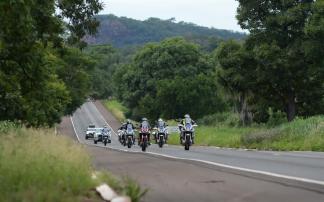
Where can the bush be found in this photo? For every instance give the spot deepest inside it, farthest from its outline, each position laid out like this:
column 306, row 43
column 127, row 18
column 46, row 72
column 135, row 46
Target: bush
column 221, row 119
column 260, row 136
column 116, row 108
column 301, row 134
column 37, row 165
column 276, row 118
column 6, row 126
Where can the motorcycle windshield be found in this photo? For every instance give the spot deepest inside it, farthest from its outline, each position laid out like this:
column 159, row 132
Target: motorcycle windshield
column 145, row 126
column 188, row 126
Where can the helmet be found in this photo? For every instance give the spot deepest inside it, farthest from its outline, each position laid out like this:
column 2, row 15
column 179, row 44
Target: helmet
column 160, row 120
column 128, row 121
column 144, row 119
column 105, row 126
column 187, row 116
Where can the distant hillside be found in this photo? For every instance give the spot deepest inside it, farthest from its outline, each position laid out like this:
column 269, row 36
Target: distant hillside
column 122, row 31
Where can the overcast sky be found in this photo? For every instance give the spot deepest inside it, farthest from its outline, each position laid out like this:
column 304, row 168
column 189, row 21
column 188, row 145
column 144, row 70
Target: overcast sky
column 211, row 13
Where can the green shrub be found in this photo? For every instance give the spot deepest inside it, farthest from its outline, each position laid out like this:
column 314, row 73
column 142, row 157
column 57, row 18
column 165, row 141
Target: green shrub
column 6, row 126
column 116, row 108
column 260, row 136
column 221, row 119
column 37, row 165
column 301, row 134
column 276, row 118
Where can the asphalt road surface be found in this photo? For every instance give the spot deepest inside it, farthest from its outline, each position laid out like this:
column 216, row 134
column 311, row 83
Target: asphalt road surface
column 204, row 173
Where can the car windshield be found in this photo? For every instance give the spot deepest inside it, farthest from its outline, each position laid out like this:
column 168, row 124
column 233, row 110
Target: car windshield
column 91, row 126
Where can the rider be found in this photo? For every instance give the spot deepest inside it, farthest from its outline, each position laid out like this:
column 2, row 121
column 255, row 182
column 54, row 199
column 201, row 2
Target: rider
column 106, row 130
column 145, row 123
column 161, row 123
column 183, row 122
column 124, row 127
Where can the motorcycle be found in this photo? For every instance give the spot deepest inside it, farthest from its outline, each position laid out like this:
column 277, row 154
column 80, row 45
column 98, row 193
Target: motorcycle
column 160, row 136
column 129, row 141
column 187, row 134
column 106, row 138
column 121, row 136
column 144, row 133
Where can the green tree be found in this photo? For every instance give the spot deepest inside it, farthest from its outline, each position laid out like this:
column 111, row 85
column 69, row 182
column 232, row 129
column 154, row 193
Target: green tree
column 30, row 88
column 106, row 59
column 279, row 31
column 168, row 79
column 235, row 65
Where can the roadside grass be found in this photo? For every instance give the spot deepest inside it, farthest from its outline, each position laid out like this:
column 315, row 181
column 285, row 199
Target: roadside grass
column 220, row 136
column 299, row 135
column 225, row 130
column 37, row 165
column 116, row 108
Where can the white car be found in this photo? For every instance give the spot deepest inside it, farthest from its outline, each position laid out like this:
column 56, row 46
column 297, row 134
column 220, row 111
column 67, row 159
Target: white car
column 97, row 135
column 90, row 131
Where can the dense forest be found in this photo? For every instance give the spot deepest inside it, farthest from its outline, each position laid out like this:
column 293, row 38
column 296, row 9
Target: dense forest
column 47, row 71
column 122, row 31
column 277, row 71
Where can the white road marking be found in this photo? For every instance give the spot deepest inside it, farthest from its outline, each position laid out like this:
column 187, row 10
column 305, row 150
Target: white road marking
column 311, row 181
column 105, row 120
column 74, row 129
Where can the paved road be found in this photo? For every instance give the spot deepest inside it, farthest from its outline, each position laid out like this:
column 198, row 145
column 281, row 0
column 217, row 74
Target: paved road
column 223, row 174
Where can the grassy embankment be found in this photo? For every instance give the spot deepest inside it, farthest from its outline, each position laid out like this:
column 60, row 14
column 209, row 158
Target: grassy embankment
column 116, row 108
column 37, row 165
column 299, row 135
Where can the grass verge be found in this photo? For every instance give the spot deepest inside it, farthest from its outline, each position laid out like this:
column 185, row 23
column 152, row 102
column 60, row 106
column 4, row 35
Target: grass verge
column 37, row 165
column 116, row 108
column 216, row 136
column 299, row 135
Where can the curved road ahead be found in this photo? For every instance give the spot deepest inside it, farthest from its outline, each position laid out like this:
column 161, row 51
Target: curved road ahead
column 206, row 173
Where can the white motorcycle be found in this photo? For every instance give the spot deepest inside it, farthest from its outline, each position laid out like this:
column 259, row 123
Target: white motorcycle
column 106, row 137
column 160, row 134
column 187, row 131
column 130, row 136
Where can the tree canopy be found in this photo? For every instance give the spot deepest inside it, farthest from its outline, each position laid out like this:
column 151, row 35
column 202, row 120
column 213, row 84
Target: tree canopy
column 168, row 79
column 289, row 69
column 33, row 38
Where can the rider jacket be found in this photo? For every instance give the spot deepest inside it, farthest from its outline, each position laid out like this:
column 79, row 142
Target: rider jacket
column 124, row 126
column 184, row 121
